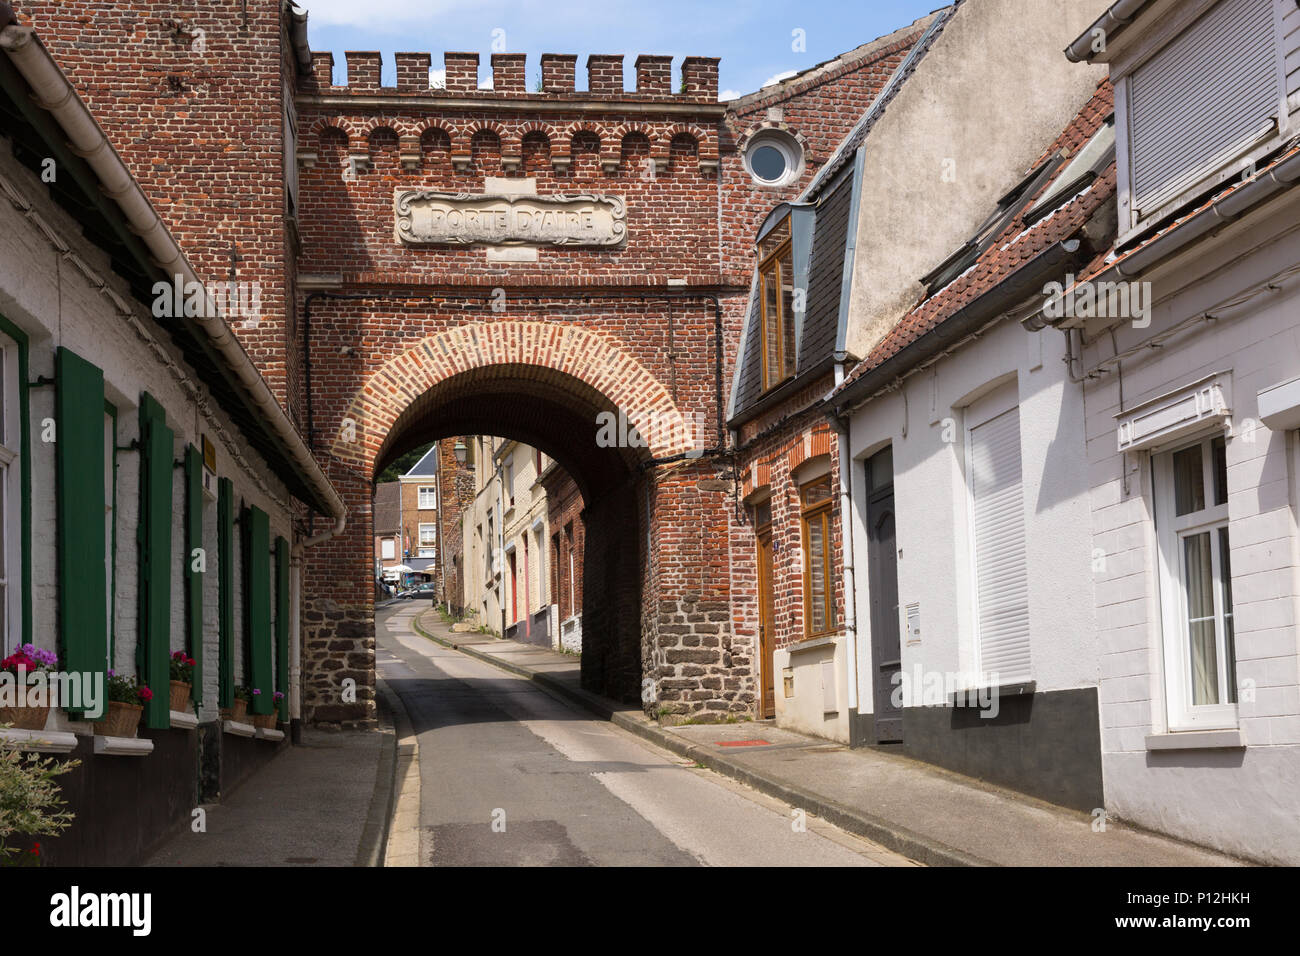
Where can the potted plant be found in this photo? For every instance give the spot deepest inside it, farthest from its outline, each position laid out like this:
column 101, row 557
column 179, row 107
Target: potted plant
column 32, row 803
column 126, row 700
column 266, row 721
column 239, row 708
column 24, row 663
column 182, row 680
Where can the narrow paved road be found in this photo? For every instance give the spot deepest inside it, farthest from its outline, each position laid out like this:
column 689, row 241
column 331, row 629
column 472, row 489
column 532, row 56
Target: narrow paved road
column 511, row 776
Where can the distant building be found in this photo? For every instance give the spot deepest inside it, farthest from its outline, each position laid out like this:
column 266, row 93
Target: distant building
column 388, row 529
column 564, row 516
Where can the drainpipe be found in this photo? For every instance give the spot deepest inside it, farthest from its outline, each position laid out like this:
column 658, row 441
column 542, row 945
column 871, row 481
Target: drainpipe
column 847, row 526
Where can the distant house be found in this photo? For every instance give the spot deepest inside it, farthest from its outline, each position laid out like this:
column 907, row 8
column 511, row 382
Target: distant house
column 564, row 516
column 388, row 529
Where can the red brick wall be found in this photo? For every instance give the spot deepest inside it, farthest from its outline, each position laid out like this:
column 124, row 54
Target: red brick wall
column 200, row 129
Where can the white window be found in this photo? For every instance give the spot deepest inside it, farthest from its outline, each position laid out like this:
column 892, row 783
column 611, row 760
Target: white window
column 1172, row 147
column 997, row 516
column 508, row 476
column 426, row 553
column 10, row 496
column 388, row 549
column 428, row 497
column 1191, row 506
column 428, row 534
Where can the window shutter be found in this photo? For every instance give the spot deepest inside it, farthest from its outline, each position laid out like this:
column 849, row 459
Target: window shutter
column 155, row 530
column 226, row 593
column 1001, row 579
column 282, row 624
column 259, row 609
column 82, row 538
column 194, row 579
column 1202, row 100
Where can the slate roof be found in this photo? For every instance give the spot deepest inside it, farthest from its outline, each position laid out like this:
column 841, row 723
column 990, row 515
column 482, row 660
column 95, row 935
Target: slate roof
column 1019, row 242
column 831, row 194
column 427, row 466
column 388, row 507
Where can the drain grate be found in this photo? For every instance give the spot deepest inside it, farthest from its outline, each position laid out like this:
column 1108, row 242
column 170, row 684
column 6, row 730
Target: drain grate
column 743, row 743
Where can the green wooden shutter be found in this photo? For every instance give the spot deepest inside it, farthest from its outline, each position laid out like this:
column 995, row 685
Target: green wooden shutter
column 226, row 597
column 155, row 536
column 194, row 579
column 259, row 609
column 82, row 546
column 282, row 624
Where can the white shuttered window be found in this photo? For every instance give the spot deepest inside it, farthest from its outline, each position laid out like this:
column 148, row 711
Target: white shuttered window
column 998, row 525
column 1203, row 101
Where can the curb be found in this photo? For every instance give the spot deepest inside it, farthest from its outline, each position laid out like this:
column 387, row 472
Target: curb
column 379, row 817
column 888, row 835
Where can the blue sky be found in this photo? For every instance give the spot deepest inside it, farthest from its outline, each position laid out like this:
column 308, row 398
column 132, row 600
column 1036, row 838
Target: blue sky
column 755, row 38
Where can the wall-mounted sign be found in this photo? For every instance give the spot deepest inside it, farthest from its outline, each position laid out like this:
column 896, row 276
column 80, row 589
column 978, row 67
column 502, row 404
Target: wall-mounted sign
column 425, row 217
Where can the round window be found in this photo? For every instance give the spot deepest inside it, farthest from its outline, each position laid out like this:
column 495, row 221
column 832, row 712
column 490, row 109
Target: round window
column 773, row 158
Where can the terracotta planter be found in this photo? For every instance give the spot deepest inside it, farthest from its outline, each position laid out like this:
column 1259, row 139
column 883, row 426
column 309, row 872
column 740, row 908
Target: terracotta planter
column 180, row 696
column 120, row 721
column 25, row 718
column 266, row 721
column 235, row 713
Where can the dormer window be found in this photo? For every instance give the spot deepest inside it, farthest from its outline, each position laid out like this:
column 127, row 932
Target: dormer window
column 776, row 297
column 1199, row 100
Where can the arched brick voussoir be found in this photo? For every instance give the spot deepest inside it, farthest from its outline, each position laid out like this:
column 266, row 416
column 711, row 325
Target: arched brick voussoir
column 591, row 359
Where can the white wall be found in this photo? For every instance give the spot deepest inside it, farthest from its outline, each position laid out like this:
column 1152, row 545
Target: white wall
column 934, row 565
column 55, row 305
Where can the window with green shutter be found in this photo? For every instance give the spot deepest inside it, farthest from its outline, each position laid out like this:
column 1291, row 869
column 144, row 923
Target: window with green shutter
column 282, row 624
column 81, row 532
column 153, row 649
column 226, row 593
column 195, row 565
column 258, row 603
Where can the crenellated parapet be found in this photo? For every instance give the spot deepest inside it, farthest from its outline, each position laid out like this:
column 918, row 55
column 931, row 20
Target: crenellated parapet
column 698, row 79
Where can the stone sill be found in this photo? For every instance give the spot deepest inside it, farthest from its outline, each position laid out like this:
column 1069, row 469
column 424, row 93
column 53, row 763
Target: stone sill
column 123, row 746
column 810, row 645
column 1197, row 740
column 238, row 729
column 42, row 741
column 266, row 733
column 183, row 720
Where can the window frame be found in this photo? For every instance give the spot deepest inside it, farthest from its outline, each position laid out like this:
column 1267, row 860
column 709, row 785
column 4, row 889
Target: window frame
column 420, row 497
column 780, row 257
column 17, row 623
column 821, row 512
column 1171, row 530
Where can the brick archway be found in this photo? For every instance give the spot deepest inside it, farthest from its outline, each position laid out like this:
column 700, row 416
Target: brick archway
column 573, row 352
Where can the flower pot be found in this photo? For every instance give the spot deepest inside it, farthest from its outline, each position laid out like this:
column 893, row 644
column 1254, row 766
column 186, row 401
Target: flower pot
column 25, row 718
column 266, row 721
column 180, row 696
column 120, row 721
column 236, row 712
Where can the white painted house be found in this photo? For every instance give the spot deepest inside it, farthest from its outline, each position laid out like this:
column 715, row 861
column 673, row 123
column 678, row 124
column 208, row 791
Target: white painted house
column 1192, row 411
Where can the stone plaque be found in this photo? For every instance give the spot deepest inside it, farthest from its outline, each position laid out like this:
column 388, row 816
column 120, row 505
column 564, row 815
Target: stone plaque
column 425, row 217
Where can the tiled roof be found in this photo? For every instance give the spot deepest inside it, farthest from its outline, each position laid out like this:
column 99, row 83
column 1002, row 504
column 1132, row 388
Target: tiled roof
column 388, row 506
column 1018, row 244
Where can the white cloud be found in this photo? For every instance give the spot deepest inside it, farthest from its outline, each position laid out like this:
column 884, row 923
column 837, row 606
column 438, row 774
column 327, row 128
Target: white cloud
column 729, row 95
column 486, row 84
column 437, row 79
column 779, row 77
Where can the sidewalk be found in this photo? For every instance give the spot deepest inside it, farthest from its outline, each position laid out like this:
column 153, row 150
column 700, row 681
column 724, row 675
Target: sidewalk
column 325, row 802
column 914, row 808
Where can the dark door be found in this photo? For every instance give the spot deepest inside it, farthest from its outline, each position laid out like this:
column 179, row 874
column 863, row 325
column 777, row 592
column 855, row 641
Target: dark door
column 765, row 638
column 882, row 579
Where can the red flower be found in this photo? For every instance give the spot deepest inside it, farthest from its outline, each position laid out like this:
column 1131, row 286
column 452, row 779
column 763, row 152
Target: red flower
column 146, row 694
